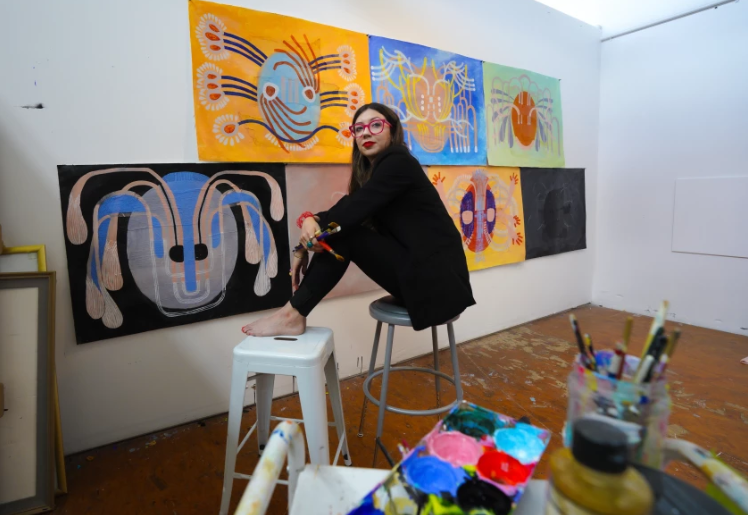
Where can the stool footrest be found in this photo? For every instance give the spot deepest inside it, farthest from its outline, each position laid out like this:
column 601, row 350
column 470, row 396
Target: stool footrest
column 402, row 411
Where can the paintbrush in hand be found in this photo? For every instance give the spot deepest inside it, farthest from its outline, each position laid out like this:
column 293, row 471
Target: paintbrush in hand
column 321, row 235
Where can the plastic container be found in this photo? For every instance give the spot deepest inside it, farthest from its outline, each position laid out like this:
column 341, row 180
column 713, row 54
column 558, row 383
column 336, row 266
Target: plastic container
column 594, row 476
column 642, row 410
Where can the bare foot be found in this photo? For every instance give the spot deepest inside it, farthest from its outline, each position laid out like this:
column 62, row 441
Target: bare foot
column 286, row 321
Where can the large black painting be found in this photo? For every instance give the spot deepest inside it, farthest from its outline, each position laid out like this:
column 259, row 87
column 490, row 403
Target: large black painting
column 161, row 245
column 555, row 213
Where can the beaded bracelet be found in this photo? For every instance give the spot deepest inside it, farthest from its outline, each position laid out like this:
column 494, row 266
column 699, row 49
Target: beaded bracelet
column 304, row 216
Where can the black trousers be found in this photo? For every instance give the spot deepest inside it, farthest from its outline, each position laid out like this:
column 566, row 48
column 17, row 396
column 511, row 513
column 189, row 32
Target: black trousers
column 378, row 256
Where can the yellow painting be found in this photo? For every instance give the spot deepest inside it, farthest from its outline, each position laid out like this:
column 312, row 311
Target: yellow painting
column 486, row 206
column 272, row 88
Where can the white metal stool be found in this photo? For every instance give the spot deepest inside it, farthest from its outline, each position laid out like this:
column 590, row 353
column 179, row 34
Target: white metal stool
column 311, row 359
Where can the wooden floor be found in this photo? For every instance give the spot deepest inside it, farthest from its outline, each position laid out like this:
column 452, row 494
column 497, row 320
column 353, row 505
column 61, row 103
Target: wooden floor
column 518, row 372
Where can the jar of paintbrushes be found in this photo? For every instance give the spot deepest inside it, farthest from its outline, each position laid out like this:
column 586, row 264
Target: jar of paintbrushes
column 629, row 391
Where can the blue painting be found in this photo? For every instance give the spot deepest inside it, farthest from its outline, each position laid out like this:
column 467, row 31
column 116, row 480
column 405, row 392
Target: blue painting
column 160, row 245
column 438, row 96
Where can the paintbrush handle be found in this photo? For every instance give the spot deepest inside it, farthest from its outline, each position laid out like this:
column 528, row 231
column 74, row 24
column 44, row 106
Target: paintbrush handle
column 329, row 249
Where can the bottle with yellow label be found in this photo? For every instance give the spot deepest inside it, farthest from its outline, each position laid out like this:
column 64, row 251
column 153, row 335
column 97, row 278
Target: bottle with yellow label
column 594, row 478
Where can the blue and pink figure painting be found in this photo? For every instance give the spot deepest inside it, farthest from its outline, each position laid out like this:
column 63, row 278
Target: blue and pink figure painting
column 152, row 246
column 438, row 96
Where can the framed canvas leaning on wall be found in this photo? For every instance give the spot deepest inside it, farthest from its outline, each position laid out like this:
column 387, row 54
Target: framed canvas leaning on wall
column 33, row 258
column 27, row 427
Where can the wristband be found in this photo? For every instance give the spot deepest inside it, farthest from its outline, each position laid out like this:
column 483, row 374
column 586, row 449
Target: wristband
column 303, row 217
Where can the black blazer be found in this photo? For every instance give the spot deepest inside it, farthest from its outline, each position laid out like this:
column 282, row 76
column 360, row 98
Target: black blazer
column 404, row 205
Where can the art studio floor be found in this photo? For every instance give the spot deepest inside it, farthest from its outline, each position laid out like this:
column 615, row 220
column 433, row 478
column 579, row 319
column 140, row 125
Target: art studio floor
column 519, row 372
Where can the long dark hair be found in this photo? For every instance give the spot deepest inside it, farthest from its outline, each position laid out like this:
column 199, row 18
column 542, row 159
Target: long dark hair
column 361, row 167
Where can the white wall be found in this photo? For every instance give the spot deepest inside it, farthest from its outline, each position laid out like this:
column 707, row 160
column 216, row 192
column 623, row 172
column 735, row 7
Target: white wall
column 115, row 81
column 673, row 104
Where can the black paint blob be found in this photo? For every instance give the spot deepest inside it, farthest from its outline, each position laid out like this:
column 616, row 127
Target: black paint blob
column 476, row 494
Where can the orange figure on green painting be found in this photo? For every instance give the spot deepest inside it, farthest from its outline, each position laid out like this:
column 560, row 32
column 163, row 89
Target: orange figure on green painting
column 524, row 118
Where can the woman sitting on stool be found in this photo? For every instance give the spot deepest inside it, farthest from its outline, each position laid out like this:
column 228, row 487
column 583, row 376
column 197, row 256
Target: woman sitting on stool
column 394, row 227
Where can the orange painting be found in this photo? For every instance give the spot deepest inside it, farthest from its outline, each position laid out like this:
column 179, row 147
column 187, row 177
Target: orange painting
column 272, row 88
column 486, row 206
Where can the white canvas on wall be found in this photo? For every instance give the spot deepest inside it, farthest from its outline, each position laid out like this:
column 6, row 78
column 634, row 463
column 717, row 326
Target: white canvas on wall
column 710, row 216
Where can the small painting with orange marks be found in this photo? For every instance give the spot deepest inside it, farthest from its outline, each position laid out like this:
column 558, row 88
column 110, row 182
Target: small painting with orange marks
column 486, row 206
column 273, row 88
column 523, row 116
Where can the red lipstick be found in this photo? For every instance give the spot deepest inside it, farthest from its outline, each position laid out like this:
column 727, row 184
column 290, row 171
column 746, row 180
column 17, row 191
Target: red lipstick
column 368, row 144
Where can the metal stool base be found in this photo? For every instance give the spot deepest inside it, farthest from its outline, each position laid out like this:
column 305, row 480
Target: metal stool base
column 392, row 316
column 402, row 411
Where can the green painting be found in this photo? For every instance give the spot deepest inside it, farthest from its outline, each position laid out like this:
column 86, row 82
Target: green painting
column 523, row 118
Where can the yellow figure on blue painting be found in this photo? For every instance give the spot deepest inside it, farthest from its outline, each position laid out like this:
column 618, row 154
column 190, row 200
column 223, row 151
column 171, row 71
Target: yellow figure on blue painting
column 273, row 88
column 486, row 206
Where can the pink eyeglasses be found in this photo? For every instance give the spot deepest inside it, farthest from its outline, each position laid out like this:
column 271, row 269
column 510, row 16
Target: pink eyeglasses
column 376, row 126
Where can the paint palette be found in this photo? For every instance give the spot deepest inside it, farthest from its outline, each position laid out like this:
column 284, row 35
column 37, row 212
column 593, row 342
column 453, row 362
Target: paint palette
column 473, row 461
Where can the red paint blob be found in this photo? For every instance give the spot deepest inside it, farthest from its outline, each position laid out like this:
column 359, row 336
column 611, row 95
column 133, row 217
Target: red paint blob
column 501, row 468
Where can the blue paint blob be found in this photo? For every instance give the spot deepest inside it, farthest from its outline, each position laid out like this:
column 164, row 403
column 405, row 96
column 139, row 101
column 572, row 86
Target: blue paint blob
column 530, row 429
column 520, row 444
column 432, row 475
column 366, row 508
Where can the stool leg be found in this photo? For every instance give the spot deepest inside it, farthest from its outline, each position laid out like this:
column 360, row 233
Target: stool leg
column 314, row 410
column 333, row 386
column 383, row 395
column 264, row 384
column 372, row 362
column 455, row 365
column 435, row 341
column 236, row 406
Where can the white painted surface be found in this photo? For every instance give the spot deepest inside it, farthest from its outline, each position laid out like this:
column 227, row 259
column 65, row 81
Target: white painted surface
column 10, row 263
column 711, row 216
column 116, row 83
column 618, row 16
column 673, row 106
column 18, row 370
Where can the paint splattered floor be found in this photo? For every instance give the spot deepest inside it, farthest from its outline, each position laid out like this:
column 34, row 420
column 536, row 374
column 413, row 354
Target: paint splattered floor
column 519, row 372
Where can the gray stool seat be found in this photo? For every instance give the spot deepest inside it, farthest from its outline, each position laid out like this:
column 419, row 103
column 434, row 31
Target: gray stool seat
column 391, row 311
column 388, row 310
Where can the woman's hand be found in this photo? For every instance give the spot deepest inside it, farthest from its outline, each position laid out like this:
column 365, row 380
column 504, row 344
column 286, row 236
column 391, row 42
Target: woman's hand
column 299, row 263
column 309, row 229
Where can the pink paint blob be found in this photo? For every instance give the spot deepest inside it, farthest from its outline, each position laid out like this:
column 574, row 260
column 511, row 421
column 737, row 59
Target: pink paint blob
column 455, row 448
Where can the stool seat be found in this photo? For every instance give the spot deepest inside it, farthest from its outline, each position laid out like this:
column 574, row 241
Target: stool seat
column 390, row 311
column 310, row 349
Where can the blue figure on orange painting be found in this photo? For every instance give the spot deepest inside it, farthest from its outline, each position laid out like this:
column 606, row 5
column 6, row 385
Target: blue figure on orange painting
column 182, row 239
column 288, row 91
